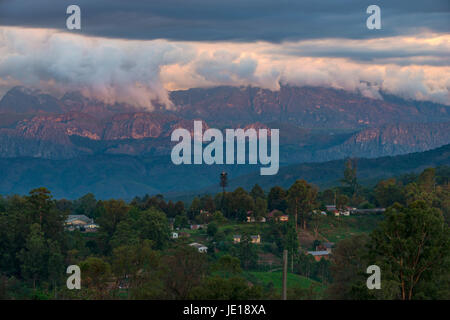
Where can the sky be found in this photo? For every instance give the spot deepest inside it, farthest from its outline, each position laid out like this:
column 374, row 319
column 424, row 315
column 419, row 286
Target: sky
column 137, row 51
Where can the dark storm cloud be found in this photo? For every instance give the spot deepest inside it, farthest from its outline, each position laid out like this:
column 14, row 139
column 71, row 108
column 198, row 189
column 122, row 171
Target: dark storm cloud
column 385, row 51
column 234, row 20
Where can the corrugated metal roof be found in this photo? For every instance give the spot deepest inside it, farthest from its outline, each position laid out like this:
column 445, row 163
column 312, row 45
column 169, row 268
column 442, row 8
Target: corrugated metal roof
column 318, row 253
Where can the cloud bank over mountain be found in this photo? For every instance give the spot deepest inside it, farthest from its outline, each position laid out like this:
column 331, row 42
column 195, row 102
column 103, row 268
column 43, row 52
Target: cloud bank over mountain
column 138, row 72
column 136, row 51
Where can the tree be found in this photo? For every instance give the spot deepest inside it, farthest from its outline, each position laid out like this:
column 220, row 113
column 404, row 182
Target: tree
column 64, row 205
column 125, row 234
column 234, row 288
column 247, row 252
column 349, row 263
column 388, row 192
column 185, row 270
column 152, row 225
column 33, row 256
column 316, row 220
column 257, row 192
column 240, row 200
column 443, row 175
column 412, row 247
column 42, row 209
column 195, row 208
column 260, row 208
column 86, row 205
column 55, row 263
column 40, row 200
column 179, row 208
column 114, row 212
column 350, row 179
column 170, row 209
column 427, row 180
column 341, row 201
column 301, row 198
column 212, row 229
column 310, row 293
column 227, row 265
column 218, row 217
column 207, row 203
column 291, row 243
column 96, row 273
column 328, row 196
column 136, row 267
column 277, row 199
column 181, row 221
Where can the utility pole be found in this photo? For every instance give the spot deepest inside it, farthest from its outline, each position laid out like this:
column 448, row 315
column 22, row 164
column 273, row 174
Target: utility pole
column 285, row 262
column 223, row 184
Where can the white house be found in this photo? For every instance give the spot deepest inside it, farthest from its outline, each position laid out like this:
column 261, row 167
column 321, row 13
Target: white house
column 345, row 213
column 174, row 235
column 80, row 222
column 200, row 247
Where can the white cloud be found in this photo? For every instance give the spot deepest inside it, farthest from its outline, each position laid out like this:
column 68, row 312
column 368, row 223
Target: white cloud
column 138, row 72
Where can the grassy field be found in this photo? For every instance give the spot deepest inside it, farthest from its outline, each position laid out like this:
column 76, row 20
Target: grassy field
column 337, row 229
column 276, row 277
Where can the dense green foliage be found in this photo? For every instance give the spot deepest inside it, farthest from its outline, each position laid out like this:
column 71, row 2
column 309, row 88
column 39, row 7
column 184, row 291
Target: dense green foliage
column 133, row 254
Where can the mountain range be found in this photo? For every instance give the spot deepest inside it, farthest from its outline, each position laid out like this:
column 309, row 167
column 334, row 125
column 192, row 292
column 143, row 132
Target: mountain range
column 41, row 134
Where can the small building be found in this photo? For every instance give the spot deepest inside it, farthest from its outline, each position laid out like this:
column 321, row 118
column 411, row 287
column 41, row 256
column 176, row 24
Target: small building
column 80, row 222
column 91, row 227
column 345, row 213
column 318, row 255
column 200, row 247
column 195, row 226
column 174, row 235
column 236, row 238
column 256, row 239
column 250, row 216
column 330, row 207
column 326, row 246
column 277, row 215
column 253, row 219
